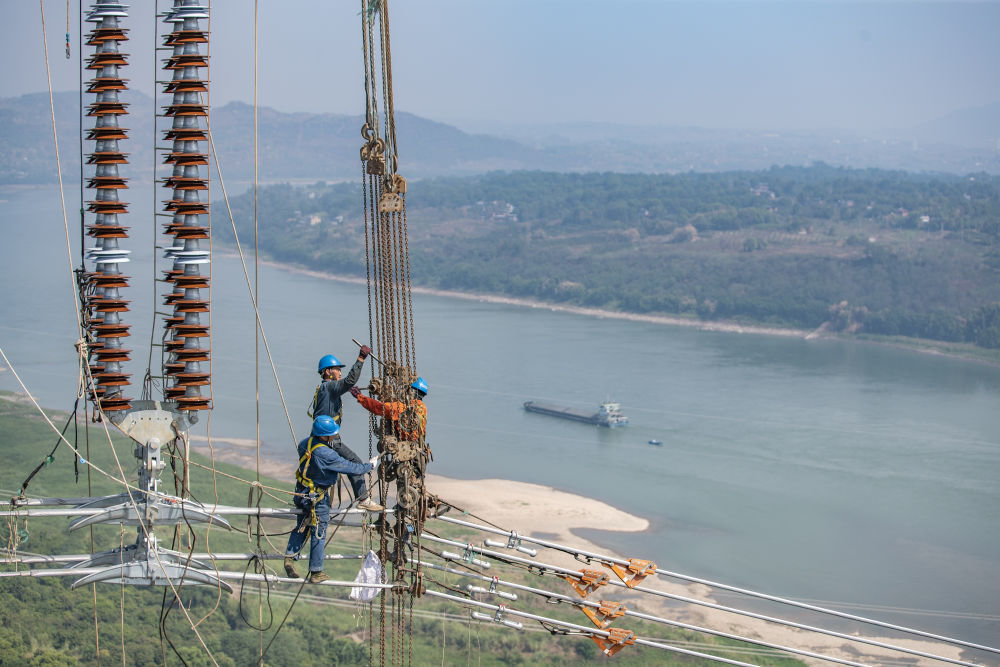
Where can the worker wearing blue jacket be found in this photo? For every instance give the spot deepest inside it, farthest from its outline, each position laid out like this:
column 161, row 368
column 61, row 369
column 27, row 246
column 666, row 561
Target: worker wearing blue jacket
column 327, row 401
column 318, row 468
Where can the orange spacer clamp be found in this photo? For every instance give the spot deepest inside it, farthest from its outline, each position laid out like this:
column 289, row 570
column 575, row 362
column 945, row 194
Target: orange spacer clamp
column 587, row 581
column 616, row 640
column 604, row 615
column 639, row 569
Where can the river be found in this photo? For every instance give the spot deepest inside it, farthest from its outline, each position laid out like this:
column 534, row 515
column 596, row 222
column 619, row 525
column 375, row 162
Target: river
column 823, row 470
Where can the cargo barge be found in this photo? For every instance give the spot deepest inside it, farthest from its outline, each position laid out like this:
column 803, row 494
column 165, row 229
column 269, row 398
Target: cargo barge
column 609, row 414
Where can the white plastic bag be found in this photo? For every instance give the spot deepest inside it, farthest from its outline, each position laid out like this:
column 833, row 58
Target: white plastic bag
column 371, row 573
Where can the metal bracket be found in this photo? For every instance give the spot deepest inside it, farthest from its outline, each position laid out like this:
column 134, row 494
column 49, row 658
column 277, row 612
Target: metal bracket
column 146, row 509
column 145, row 563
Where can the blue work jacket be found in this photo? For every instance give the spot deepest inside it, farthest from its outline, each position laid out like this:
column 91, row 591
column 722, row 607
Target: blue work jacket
column 327, row 400
column 326, row 464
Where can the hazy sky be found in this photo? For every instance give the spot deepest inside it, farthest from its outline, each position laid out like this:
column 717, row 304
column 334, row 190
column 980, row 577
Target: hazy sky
column 741, row 64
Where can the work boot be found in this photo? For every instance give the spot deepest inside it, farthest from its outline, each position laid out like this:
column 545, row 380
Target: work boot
column 316, row 577
column 290, row 567
column 370, row 505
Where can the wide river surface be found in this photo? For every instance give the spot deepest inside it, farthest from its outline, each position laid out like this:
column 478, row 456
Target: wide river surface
column 822, row 470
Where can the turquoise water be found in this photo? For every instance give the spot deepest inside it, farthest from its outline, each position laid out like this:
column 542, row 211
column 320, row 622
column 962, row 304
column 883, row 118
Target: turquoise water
column 824, row 470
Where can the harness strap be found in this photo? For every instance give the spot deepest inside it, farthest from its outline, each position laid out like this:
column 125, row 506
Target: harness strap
column 311, row 410
column 312, row 404
column 301, row 475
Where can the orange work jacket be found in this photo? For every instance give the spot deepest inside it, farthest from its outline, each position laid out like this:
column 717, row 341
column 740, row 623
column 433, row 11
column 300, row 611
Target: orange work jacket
column 392, row 410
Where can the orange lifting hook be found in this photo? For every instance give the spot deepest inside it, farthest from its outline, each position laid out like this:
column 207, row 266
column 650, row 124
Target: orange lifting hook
column 606, row 613
column 639, row 569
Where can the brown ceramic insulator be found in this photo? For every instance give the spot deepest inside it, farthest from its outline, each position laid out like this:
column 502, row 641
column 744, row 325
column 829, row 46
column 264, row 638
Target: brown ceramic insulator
column 190, row 330
column 178, row 37
column 104, row 280
column 184, row 159
column 107, row 157
column 194, row 403
column 105, row 305
column 106, row 83
column 192, row 379
column 187, row 231
column 116, row 404
column 185, row 183
column 192, row 282
column 110, row 355
column 110, row 330
column 103, row 58
column 191, row 354
column 107, row 133
column 107, row 108
column 185, row 134
column 187, row 208
column 108, row 379
column 182, row 60
column 107, row 231
column 107, row 182
column 185, row 110
column 173, row 368
column 190, row 306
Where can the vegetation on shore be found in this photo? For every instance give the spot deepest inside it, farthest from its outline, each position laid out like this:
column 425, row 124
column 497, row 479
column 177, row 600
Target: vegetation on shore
column 43, row 622
column 851, row 251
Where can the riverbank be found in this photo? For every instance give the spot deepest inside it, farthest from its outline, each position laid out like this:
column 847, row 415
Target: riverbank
column 730, row 327
column 545, row 513
column 936, row 348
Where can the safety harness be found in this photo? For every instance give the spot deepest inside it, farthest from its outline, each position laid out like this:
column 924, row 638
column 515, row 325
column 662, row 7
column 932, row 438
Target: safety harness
column 312, row 406
column 313, row 497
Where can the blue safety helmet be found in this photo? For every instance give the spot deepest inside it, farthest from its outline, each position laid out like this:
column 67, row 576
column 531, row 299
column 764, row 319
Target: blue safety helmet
column 420, row 385
column 329, row 361
column 325, row 425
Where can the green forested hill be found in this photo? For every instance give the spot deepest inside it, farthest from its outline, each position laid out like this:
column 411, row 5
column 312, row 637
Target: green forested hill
column 860, row 251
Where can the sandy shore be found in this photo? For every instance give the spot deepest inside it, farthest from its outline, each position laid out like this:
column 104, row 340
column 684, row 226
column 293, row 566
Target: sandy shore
column 578, row 310
column 532, row 510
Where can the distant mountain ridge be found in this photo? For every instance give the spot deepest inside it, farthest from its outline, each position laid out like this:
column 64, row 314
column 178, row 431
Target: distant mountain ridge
column 975, row 127
column 323, row 146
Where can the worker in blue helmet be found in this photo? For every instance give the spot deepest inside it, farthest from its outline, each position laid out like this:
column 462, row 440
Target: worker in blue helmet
column 327, row 401
column 415, row 429
column 319, row 465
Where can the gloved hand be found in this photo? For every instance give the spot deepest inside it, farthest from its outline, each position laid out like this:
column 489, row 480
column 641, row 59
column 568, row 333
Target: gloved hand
column 374, row 460
column 364, row 351
column 355, row 392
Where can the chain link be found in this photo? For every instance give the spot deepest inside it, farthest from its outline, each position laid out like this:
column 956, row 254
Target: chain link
column 391, row 332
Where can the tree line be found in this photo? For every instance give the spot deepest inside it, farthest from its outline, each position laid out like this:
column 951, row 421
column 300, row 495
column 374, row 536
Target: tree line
column 865, row 250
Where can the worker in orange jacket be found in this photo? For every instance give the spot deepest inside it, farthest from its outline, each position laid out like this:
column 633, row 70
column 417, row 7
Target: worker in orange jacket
column 394, row 409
